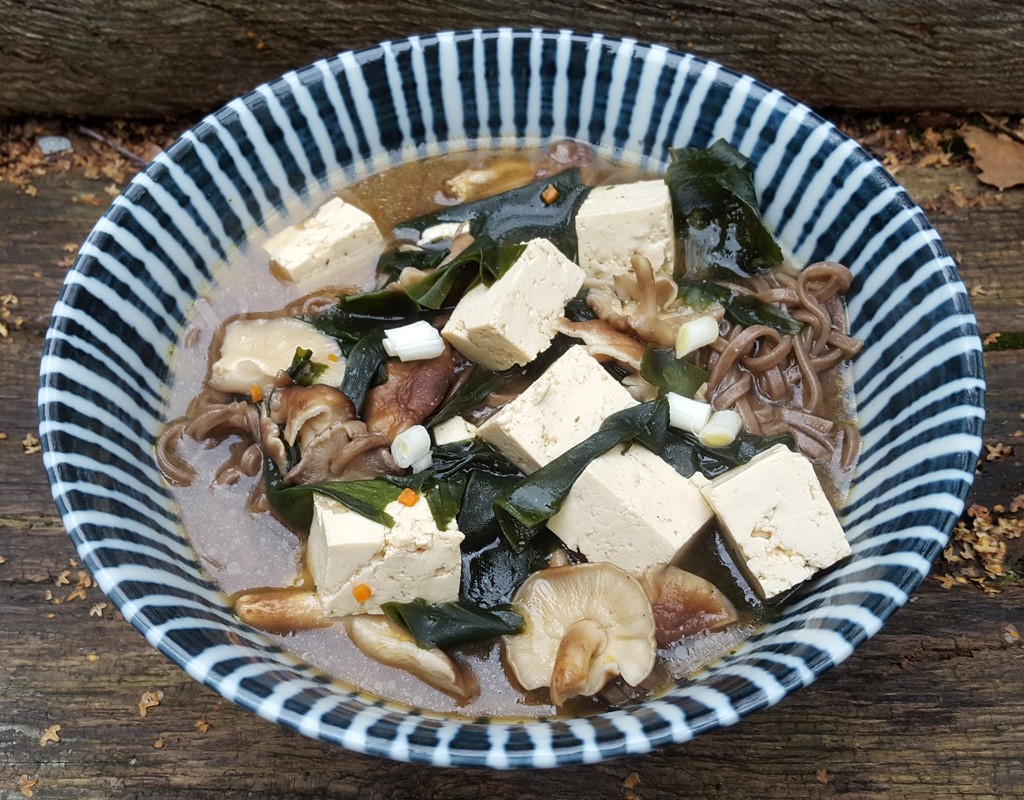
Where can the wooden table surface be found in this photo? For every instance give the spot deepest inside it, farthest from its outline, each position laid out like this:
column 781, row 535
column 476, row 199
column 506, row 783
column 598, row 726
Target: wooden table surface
column 931, row 707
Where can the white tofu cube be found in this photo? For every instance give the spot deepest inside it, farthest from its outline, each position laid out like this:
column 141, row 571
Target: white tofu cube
column 616, row 222
column 411, row 559
column 779, row 520
column 338, row 242
column 254, row 350
column 631, row 509
column 513, row 319
column 559, row 410
column 452, row 430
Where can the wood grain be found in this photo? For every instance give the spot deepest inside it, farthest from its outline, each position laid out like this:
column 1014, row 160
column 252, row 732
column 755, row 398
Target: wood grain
column 929, row 709
column 152, row 58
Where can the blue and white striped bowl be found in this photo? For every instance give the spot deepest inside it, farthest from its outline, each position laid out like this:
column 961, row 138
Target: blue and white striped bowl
column 290, row 143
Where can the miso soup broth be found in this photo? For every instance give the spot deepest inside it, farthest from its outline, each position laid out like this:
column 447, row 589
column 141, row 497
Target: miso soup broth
column 244, row 546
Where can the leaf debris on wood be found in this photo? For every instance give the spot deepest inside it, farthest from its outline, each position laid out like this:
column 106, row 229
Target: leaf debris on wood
column 113, row 152
column 979, row 551
column 8, row 301
column 150, row 700
column 50, row 735
column 30, row 444
column 998, row 157
column 202, row 725
column 26, row 785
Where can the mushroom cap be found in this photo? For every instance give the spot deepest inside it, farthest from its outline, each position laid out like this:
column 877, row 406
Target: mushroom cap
column 381, row 639
column 553, row 602
column 253, row 350
column 685, row 604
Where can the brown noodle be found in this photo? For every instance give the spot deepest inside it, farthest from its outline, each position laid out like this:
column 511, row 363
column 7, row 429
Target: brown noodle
column 777, row 383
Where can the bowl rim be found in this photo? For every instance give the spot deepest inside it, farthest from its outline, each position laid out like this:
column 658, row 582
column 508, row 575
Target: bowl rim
column 634, row 735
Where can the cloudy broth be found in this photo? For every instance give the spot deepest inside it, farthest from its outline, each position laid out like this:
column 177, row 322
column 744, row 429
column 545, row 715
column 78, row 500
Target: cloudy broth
column 241, row 549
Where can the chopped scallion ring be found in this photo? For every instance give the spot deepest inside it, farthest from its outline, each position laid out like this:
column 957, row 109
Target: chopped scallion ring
column 411, row 446
column 722, row 429
column 686, row 414
column 415, row 342
column 695, row 334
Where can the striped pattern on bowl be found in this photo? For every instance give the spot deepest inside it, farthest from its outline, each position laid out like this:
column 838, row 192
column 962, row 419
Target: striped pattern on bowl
column 289, row 144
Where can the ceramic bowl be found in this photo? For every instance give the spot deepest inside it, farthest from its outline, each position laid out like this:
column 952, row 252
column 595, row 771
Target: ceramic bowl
column 288, row 144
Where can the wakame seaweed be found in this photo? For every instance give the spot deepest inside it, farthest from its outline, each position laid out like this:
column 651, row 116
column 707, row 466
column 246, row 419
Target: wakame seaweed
column 516, row 216
column 489, row 259
column 482, row 381
column 539, row 496
column 742, row 310
column 491, row 574
column 662, row 369
column 357, row 315
column 365, row 368
column 304, row 370
column 451, row 624
column 295, row 503
column 687, row 455
column 716, row 212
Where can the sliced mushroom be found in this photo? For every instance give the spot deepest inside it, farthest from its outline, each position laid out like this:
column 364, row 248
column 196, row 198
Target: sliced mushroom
column 499, row 176
column 218, row 421
column 585, row 624
column 412, row 391
column 381, row 639
column 252, row 351
column 333, row 445
column 566, row 154
column 684, row 604
column 280, row 610
column 643, row 304
column 604, row 342
column 307, row 411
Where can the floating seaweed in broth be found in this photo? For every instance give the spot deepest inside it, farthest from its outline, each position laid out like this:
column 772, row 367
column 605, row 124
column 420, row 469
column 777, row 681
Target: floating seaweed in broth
column 779, row 383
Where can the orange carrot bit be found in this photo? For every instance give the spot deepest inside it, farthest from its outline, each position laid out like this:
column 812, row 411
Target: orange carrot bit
column 408, row 497
column 256, row 393
column 361, row 592
column 549, row 195
column 332, row 358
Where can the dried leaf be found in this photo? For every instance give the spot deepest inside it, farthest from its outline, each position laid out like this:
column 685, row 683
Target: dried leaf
column 999, row 158
column 26, row 784
column 50, row 735
column 149, row 700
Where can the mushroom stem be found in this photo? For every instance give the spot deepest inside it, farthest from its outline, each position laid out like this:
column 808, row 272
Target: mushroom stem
column 583, row 642
column 381, row 639
column 280, row 610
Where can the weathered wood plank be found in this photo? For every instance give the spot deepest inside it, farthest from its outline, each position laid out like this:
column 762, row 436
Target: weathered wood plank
column 150, row 58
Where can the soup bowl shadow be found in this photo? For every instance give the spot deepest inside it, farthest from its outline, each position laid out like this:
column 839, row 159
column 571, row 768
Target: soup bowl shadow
column 289, row 144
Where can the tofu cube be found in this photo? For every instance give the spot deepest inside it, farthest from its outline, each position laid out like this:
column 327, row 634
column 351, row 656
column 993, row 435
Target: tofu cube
column 616, row 222
column 559, row 410
column 631, row 509
column 254, row 350
column 337, row 242
column 778, row 519
column 513, row 319
column 452, row 430
column 411, row 559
